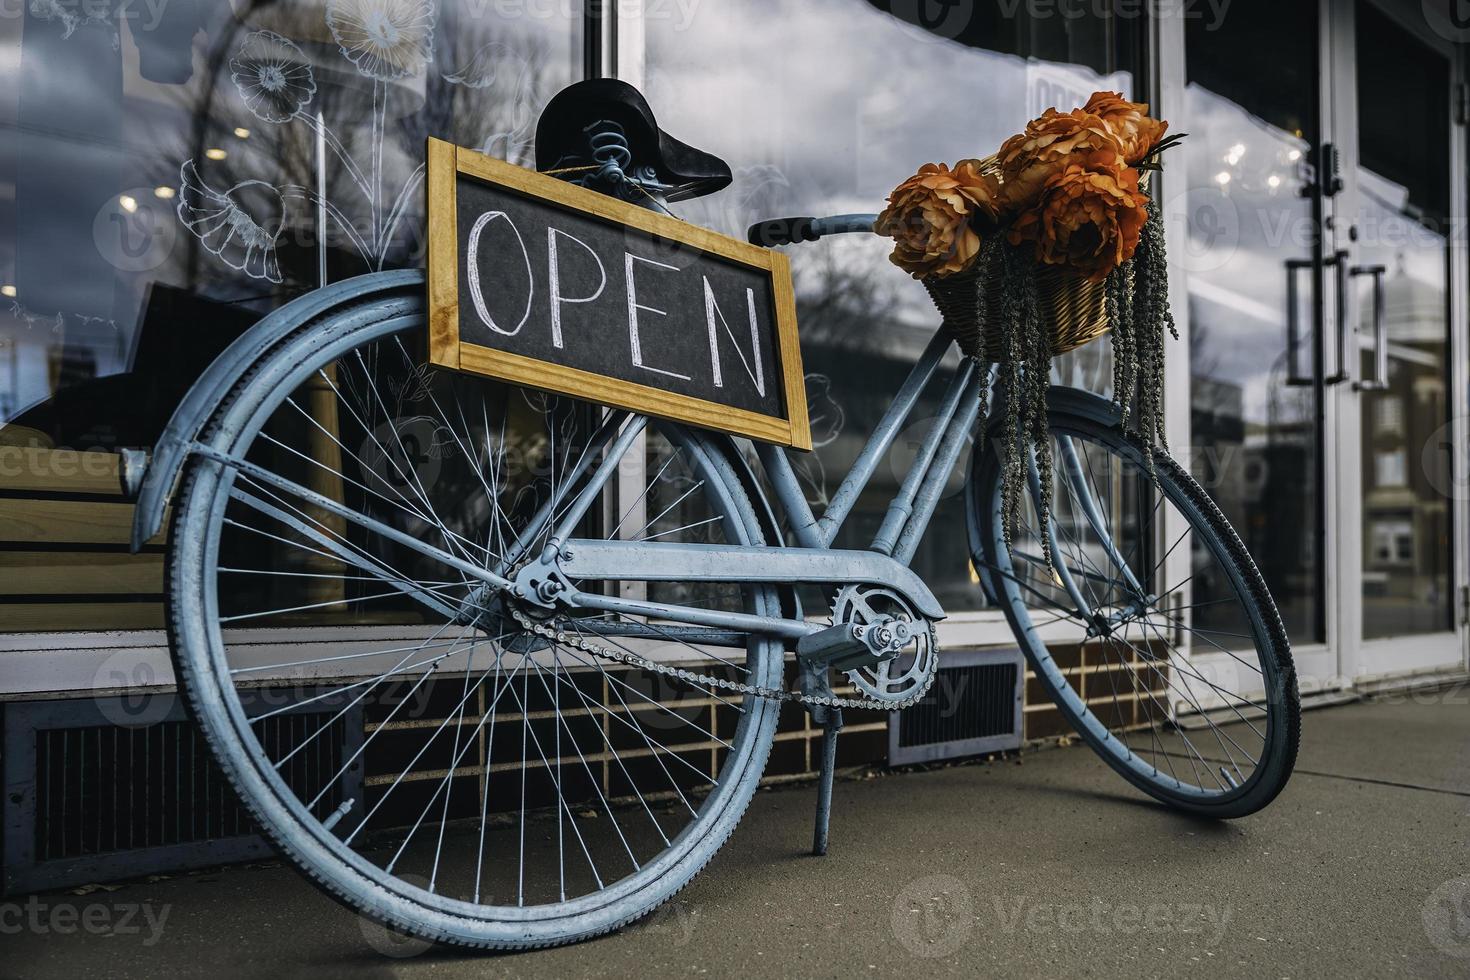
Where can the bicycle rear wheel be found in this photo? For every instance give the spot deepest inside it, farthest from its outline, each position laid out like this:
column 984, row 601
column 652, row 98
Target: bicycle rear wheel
column 394, row 729
column 1182, row 682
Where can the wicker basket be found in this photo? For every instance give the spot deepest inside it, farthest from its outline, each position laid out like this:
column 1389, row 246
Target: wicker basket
column 1071, row 307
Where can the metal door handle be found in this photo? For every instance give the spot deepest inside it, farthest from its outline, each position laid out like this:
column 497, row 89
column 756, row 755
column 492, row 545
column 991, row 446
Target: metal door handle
column 1338, row 260
column 1293, row 323
column 1380, row 331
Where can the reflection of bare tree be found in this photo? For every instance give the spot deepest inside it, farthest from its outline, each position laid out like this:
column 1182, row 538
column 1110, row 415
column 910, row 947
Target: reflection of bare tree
column 341, row 147
column 845, row 304
column 1203, row 361
column 850, row 310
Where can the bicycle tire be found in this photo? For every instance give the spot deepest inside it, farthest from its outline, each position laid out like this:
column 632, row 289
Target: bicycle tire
column 1212, row 532
column 203, row 673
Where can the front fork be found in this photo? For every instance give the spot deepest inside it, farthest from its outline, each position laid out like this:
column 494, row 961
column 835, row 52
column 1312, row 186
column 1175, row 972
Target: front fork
column 1081, row 490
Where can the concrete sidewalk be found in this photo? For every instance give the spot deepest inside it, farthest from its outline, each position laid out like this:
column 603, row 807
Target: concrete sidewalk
column 1048, row 867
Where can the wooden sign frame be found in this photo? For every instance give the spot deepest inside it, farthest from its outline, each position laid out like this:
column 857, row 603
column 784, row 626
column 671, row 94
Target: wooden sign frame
column 447, row 162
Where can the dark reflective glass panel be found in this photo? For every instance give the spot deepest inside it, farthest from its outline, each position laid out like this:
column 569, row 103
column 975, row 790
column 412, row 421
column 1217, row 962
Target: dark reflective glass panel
column 170, row 173
column 853, row 99
column 1254, row 420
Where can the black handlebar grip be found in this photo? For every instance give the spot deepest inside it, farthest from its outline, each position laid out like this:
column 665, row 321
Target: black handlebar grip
column 783, row 231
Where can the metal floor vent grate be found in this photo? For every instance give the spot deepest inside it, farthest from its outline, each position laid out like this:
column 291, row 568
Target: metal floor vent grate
column 90, row 800
column 973, row 707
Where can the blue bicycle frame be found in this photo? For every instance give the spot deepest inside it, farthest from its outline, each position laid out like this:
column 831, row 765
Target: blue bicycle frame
column 566, row 558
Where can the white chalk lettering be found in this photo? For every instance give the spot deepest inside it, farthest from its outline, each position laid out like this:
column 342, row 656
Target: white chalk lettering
column 634, row 306
column 711, row 312
column 553, row 271
column 476, row 295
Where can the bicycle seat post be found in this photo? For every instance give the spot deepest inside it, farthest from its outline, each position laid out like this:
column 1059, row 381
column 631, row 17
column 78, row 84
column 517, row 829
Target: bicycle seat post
column 614, row 171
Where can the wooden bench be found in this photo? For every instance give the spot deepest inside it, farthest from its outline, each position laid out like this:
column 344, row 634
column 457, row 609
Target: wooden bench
column 64, row 532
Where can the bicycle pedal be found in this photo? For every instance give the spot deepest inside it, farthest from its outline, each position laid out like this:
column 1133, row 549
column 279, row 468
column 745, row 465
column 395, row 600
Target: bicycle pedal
column 842, row 647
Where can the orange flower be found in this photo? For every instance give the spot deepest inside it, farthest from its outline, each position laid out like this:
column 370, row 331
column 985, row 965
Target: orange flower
column 1130, row 122
column 1029, row 159
column 936, row 217
column 1088, row 218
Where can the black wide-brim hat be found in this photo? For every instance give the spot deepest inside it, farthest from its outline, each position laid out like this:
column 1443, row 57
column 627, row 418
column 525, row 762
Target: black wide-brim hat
column 561, row 137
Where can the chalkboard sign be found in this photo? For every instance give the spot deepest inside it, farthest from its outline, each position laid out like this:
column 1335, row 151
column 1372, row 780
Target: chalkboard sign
column 546, row 284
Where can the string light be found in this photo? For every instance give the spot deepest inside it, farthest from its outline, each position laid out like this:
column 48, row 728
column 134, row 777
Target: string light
column 163, row 192
column 215, row 153
column 128, row 202
column 7, row 290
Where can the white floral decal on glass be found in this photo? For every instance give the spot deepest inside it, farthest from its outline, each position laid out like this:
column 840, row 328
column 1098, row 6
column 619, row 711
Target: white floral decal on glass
column 385, row 39
column 240, row 225
column 66, row 14
column 497, row 62
column 273, row 76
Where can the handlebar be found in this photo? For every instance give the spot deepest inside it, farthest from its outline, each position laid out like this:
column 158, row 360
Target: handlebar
column 789, row 231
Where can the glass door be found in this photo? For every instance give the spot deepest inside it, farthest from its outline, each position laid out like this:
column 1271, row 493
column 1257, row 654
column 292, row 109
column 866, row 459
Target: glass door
column 1261, row 188
column 1327, row 325
column 1400, row 410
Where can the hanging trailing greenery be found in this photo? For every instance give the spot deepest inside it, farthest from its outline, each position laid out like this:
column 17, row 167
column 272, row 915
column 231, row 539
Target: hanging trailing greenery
column 1037, row 250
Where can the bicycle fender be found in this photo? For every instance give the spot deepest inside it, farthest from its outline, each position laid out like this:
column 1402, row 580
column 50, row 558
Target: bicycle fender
column 381, row 293
column 1076, row 401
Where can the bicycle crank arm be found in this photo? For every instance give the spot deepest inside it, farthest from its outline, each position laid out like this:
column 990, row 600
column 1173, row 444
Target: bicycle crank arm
column 647, row 561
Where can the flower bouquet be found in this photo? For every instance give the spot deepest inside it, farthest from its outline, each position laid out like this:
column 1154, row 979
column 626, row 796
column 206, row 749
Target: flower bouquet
column 1042, row 248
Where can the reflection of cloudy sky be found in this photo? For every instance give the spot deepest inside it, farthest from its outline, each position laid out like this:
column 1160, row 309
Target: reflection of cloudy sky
column 113, row 131
column 1414, row 258
column 1246, row 219
column 823, row 107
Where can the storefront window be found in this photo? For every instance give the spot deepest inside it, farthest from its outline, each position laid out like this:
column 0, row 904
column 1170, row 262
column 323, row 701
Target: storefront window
column 822, row 107
column 167, row 177
column 1404, row 216
column 1253, row 406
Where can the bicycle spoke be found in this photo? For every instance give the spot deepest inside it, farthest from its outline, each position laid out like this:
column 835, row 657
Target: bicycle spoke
column 1109, row 552
column 1189, row 696
column 561, row 800
column 587, row 704
column 390, row 501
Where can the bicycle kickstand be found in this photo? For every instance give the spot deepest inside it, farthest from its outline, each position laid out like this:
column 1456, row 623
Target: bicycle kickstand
column 814, row 681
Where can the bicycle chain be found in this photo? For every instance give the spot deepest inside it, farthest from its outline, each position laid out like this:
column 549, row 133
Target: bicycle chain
column 629, row 659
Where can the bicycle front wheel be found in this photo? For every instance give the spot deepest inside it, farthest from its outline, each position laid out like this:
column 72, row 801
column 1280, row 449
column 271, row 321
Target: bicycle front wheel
column 396, row 730
column 1170, row 661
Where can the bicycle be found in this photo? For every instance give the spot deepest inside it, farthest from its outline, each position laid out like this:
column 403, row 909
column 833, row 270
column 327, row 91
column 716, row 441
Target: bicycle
column 502, row 579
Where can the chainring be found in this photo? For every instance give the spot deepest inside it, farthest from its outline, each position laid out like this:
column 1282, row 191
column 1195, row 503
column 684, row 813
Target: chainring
column 556, row 630
column 904, row 677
